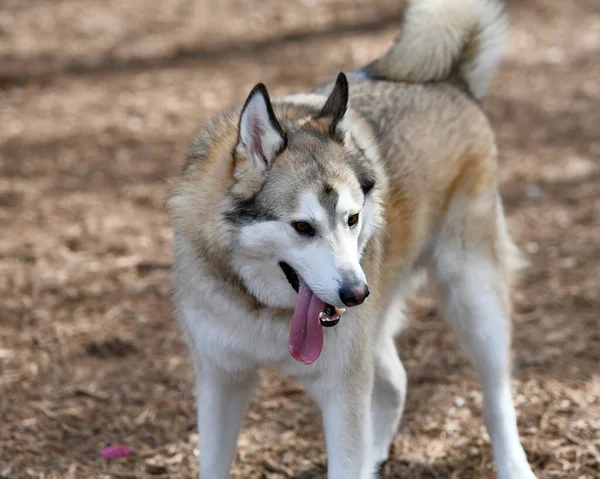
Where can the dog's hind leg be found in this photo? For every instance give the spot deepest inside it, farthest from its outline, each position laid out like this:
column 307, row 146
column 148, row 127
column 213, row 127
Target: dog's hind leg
column 222, row 402
column 389, row 394
column 470, row 266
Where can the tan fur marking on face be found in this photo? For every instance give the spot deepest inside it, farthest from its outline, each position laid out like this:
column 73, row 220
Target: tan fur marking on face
column 247, row 181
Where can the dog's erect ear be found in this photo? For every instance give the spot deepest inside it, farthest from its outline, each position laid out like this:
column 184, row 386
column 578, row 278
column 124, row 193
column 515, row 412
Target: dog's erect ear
column 337, row 103
column 261, row 137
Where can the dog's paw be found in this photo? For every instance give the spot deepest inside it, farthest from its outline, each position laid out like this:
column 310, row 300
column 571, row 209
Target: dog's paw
column 515, row 471
column 383, row 470
column 382, row 457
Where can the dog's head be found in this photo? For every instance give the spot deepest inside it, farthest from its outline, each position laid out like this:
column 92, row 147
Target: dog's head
column 306, row 198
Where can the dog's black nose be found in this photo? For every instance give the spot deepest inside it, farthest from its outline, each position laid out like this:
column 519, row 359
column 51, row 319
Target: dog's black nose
column 354, row 295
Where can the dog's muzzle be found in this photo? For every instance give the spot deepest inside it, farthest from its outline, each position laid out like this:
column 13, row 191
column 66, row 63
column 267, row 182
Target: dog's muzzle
column 330, row 315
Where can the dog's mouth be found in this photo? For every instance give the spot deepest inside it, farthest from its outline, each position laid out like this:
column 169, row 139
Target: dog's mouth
column 305, row 341
column 330, row 315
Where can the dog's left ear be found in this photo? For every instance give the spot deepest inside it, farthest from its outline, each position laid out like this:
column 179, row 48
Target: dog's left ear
column 261, row 137
column 337, row 103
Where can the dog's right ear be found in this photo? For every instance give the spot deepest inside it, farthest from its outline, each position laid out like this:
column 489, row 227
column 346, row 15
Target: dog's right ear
column 261, row 137
column 337, row 103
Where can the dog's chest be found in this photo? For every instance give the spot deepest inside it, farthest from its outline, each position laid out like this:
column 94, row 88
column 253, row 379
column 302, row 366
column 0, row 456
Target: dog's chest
column 238, row 340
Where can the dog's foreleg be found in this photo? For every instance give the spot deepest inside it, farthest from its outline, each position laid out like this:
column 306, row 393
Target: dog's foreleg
column 222, row 402
column 345, row 401
column 389, row 396
column 474, row 296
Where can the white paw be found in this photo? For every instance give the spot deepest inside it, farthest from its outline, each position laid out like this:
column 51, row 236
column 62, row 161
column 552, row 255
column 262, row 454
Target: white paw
column 515, row 471
column 381, row 454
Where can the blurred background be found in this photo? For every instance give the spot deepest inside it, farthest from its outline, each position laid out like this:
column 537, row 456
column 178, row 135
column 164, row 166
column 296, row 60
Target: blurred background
column 98, row 101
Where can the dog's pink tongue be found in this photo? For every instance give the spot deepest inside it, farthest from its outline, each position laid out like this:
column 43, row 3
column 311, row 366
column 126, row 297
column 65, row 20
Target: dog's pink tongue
column 305, row 342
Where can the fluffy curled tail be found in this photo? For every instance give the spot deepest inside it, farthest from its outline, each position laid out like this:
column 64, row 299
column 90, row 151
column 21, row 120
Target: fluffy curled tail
column 443, row 38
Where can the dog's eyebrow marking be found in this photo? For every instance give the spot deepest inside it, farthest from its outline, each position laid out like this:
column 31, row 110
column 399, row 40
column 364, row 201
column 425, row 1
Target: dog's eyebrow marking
column 346, row 203
column 311, row 208
column 328, row 196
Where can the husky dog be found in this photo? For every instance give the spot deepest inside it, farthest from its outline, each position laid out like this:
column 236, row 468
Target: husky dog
column 301, row 225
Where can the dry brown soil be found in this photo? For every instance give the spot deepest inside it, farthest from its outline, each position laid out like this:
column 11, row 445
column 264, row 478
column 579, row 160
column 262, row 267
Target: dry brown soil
column 98, row 101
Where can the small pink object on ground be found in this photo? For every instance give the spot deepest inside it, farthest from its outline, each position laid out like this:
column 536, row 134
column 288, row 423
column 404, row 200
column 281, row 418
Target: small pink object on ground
column 115, row 451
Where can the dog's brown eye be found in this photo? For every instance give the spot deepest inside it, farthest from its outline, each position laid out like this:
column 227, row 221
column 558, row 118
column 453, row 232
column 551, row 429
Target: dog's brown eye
column 303, row 228
column 353, row 219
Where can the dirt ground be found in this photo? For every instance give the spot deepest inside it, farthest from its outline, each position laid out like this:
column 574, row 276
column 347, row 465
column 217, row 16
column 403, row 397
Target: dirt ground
column 98, row 101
